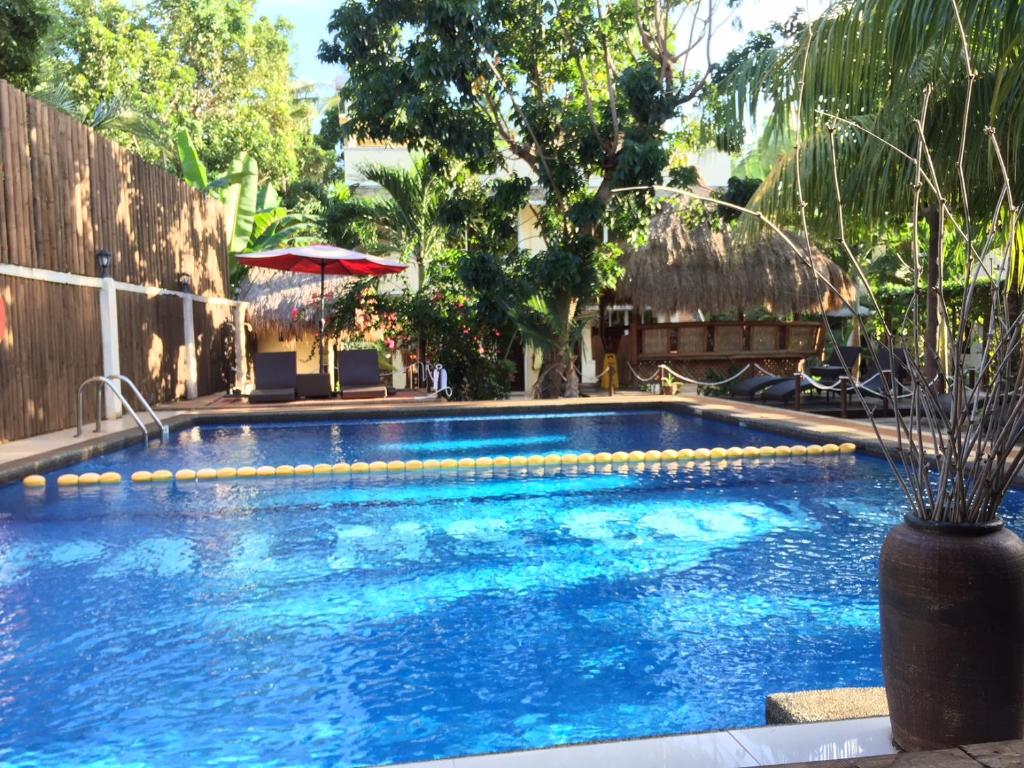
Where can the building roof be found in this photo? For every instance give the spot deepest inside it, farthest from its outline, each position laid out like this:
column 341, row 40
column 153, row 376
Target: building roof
column 690, row 268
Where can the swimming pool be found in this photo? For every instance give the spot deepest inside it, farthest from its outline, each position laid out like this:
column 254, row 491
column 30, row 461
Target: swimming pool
column 369, row 619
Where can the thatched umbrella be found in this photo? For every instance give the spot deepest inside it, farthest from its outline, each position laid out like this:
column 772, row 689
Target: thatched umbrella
column 286, row 303
column 690, row 268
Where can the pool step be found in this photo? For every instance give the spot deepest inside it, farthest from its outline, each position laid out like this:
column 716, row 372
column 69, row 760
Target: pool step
column 825, row 705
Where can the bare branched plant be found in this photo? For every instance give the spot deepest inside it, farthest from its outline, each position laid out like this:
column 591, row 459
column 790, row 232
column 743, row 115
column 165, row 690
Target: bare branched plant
column 955, row 450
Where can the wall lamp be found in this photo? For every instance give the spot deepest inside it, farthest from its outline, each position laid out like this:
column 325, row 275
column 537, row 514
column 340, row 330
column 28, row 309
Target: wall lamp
column 103, row 260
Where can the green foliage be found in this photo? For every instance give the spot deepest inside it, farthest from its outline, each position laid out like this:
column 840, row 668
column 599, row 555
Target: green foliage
column 206, row 66
column 738, row 192
column 23, row 28
column 255, row 220
column 455, row 328
column 553, row 85
column 871, row 61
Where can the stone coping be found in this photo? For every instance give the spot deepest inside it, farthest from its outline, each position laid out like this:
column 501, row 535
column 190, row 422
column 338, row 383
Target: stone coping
column 825, row 705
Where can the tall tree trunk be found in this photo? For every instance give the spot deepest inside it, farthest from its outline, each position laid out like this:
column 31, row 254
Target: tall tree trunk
column 931, row 333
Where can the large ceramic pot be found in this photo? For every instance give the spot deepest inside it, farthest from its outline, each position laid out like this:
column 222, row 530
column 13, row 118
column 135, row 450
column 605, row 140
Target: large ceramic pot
column 952, row 614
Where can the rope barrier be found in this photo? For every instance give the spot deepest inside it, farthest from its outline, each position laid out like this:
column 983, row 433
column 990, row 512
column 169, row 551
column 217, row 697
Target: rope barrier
column 676, row 375
column 637, row 459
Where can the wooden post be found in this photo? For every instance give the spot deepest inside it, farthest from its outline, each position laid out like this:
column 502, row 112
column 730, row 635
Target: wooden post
column 240, row 356
column 843, row 400
column 796, row 392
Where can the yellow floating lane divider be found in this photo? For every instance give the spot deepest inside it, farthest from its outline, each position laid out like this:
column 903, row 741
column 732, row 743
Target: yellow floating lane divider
column 635, row 457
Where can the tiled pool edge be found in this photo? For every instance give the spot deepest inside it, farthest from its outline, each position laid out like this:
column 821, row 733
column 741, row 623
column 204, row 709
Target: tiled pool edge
column 732, row 748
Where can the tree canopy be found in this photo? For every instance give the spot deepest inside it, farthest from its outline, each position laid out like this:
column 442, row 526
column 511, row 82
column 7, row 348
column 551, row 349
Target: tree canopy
column 210, row 67
column 574, row 95
column 868, row 67
column 23, row 28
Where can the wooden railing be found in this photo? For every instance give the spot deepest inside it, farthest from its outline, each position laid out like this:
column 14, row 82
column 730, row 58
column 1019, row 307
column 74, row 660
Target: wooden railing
column 729, row 340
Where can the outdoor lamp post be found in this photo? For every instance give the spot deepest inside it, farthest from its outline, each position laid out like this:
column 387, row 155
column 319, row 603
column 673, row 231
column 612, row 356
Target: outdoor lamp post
column 185, row 282
column 103, row 259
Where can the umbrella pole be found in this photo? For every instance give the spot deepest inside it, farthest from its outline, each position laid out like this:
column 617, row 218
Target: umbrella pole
column 323, row 322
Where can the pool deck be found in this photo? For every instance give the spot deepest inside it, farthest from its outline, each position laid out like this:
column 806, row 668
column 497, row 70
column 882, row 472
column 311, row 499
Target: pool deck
column 51, row 451
column 846, row 740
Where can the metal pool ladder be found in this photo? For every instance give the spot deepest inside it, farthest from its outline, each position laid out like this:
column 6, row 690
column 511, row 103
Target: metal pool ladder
column 107, row 382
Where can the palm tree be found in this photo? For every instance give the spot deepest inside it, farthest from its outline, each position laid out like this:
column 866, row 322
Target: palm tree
column 894, row 70
column 405, row 220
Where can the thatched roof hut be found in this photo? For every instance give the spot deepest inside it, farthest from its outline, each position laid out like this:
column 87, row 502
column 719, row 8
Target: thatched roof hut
column 286, row 303
column 683, row 268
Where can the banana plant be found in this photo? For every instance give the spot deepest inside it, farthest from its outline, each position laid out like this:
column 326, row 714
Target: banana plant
column 254, row 217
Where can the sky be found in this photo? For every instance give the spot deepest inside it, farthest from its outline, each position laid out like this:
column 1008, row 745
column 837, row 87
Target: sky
column 310, row 17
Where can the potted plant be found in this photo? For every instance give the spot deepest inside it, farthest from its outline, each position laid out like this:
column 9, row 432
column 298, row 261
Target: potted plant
column 670, row 384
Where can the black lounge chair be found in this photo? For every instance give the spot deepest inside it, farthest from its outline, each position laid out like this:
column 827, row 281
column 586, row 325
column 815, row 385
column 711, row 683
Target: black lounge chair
column 784, row 387
column 894, row 365
column 359, row 374
column 275, row 377
column 750, row 386
column 310, row 385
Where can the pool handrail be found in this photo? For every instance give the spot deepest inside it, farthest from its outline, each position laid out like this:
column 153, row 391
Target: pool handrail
column 109, row 382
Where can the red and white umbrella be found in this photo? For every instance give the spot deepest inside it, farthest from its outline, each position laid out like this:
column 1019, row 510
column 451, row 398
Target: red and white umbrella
column 323, row 260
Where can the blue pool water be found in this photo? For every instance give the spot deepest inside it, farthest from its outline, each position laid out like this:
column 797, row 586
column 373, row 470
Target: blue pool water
column 371, row 619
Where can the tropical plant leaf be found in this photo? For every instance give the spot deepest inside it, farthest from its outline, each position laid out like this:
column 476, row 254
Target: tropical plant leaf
column 240, row 199
column 192, row 167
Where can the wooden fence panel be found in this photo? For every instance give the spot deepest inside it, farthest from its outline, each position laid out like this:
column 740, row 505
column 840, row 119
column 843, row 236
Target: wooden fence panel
column 65, row 193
